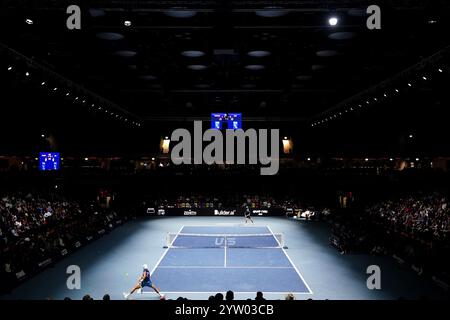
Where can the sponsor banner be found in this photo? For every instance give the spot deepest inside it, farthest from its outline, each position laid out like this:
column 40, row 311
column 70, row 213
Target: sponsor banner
column 64, row 252
column 20, row 274
column 220, row 212
column 45, row 263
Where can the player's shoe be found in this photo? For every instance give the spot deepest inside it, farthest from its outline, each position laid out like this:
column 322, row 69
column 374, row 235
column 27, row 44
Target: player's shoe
column 126, row 295
column 139, row 291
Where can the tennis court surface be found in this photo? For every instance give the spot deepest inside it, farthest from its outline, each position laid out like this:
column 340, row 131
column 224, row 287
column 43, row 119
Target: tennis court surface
column 211, row 259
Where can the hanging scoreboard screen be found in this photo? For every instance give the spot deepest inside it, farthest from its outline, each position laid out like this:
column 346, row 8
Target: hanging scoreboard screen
column 232, row 121
column 49, row 161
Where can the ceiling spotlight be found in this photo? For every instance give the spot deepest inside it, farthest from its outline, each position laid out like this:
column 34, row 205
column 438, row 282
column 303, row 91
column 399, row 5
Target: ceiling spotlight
column 84, row 101
column 285, row 138
column 43, row 83
column 424, row 78
column 333, row 21
column 27, row 73
column 29, row 21
column 366, row 159
column 86, row 159
column 127, row 23
column 396, row 90
column 391, row 159
column 92, row 105
column 54, row 89
column 440, row 70
column 385, row 95
column 409, row 84
column 9, row 68
column 42, row 135
column 153, row 159
column 410, row 136
column 417, row 159
column 67, row 94
column 76, row 98
column 432, row 21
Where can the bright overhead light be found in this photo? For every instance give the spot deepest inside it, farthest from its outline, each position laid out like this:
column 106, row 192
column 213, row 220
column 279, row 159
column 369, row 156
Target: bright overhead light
column 9, row 68
column 396, row 90
column 42, row 135
column 410, row 136
column 192, row 53
column 440, row 70
column 424, row 78
column 67, row 94
column 29, row 21
column 309, row 159
column 54, row 89
column 127, row 23
column 409, row 84
column 333, row 21
column 391, row 159
column 27, row 73
column 86, row 159
column 366, row 159
column 42, row 83
column 417, row 159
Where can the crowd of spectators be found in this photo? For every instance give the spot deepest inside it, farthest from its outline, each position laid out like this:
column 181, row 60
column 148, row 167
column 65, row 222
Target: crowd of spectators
column 425, row 217
column 218, row 297
column 233, row 200
column 34, row 228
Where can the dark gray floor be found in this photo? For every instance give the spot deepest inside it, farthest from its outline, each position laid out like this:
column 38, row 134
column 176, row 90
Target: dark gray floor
column 113, row 263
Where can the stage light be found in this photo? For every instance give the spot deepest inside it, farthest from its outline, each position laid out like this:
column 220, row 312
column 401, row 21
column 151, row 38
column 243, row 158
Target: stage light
column 43, row 83
column 27, row 74
column 333, row 21
column 366, row 159
column 385, row 95
column 10, row 68
column 410, row 136
column 409, row 84
column 309, row 159
column 76, row 98
column 54, row 89
column 29, row 21
column 440, row 70
column 127, row 23
column 153, row 159
column 396, row 90
column 86, row 159
column 67, row 94
column 417, row 159
column 391, row 159
column 42, row 135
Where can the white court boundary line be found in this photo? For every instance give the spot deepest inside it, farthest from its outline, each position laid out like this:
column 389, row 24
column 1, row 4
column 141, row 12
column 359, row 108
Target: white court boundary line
column 236, row 292
column 293, row 265
column 165, row 252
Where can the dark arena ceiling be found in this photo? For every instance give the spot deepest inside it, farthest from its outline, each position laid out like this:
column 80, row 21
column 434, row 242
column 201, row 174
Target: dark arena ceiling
column 280, row 63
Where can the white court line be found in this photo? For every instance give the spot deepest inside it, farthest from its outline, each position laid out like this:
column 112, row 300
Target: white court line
column 293, row 265
column 225, row 258
column 165, row 252
column 235, row 292
column 220, row 267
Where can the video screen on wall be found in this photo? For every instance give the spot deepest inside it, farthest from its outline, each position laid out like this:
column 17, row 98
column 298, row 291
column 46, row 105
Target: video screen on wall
column 232, row 120
column 49, row 161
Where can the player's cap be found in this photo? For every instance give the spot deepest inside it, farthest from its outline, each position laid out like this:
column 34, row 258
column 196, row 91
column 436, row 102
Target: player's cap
column 145, row 266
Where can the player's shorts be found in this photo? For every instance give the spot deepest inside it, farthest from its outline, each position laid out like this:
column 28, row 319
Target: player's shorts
column 146, row 283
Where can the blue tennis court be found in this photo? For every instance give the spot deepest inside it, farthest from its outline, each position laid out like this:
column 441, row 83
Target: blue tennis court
column 211, row 259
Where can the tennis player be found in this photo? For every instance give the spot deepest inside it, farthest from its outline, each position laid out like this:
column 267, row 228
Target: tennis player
column 144, row 281
column 247, row 213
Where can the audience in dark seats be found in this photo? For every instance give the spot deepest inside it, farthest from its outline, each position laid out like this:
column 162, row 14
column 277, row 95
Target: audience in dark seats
column 259, row 296
column 229, row 295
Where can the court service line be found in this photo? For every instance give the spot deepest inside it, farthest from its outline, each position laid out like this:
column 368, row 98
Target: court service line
column 165, row 252
column 292, row 263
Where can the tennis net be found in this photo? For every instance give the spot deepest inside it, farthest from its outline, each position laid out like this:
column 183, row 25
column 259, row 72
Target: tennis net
column 190, row 240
